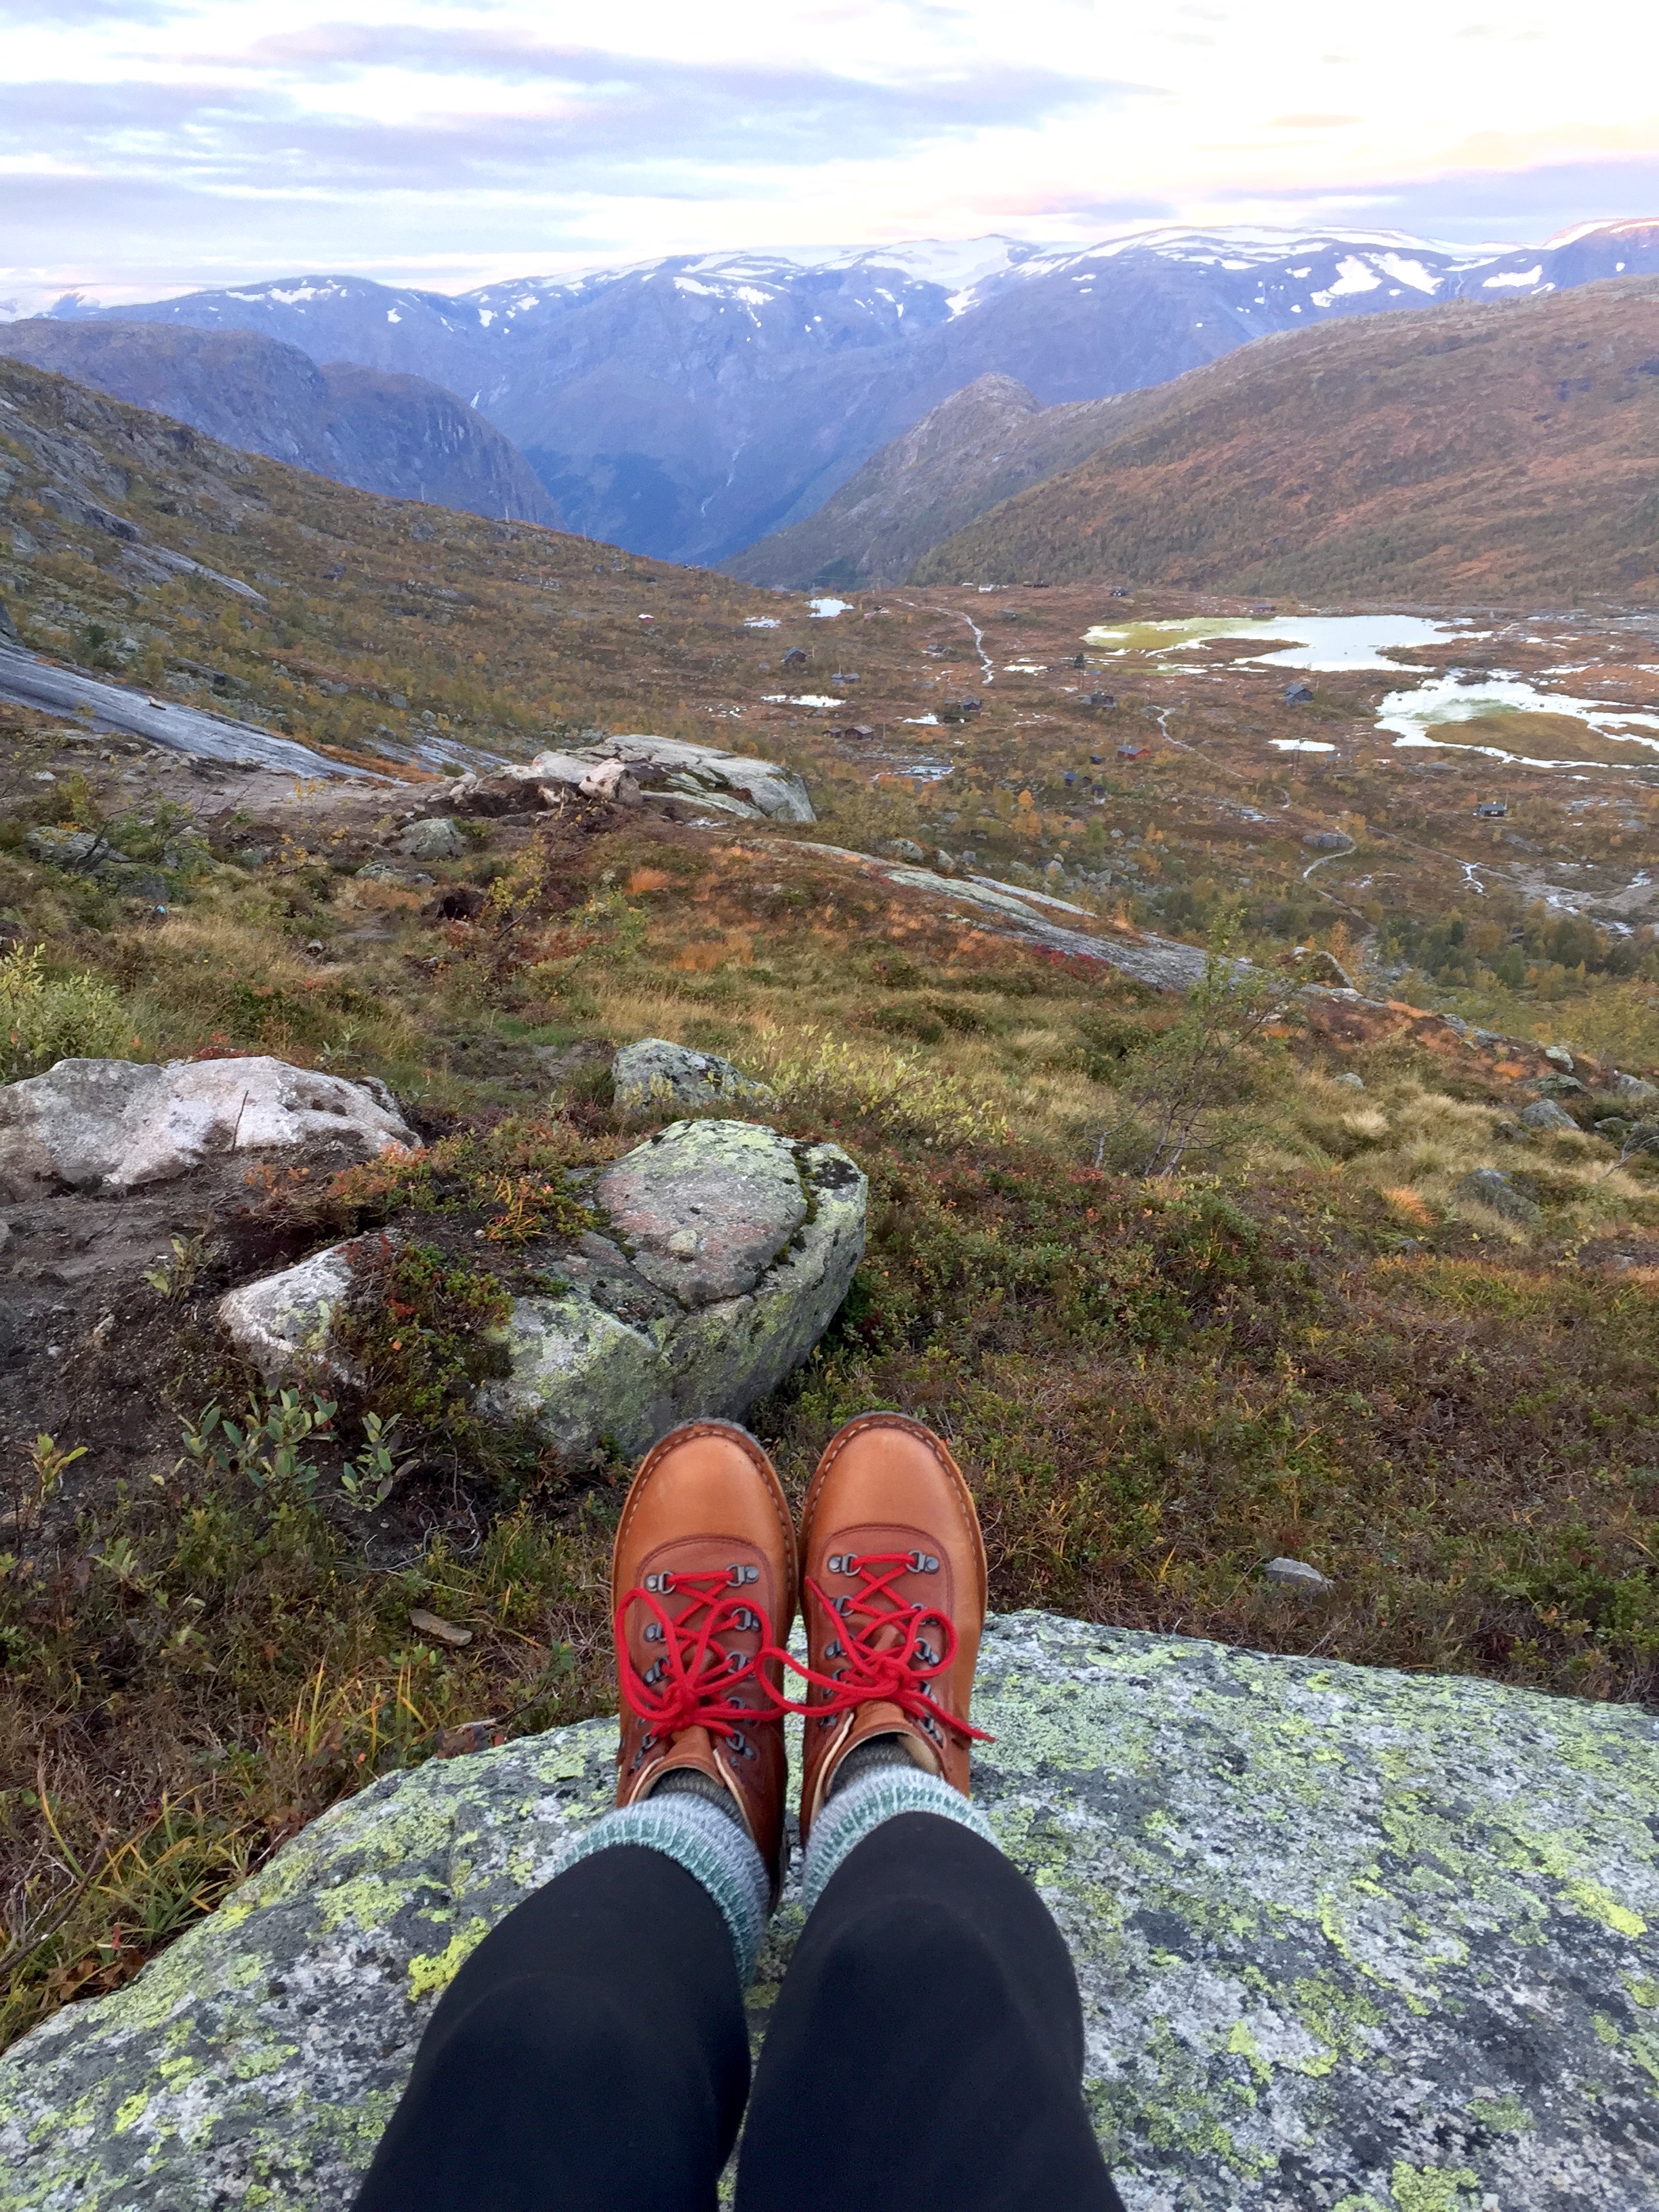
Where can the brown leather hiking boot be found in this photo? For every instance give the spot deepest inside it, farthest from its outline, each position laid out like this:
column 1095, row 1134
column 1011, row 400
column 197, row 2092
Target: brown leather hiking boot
column 894, row 1596
column 702, row 1582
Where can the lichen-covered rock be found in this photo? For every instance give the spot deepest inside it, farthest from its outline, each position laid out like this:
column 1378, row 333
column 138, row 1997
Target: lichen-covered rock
column 1347, row 1940
column 1491, row 1187
column 113, row 1125
column 732, row 1249
column 655, row 1072
column 437, row 838
column 741, row 1246
column 1543, row 1116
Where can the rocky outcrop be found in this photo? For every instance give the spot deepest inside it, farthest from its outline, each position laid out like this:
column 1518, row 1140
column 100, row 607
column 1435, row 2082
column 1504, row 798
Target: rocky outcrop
column 729, row 1253
column 690, row 783
column 1346, row 1939
column 655, row 1072
column 109, row 1126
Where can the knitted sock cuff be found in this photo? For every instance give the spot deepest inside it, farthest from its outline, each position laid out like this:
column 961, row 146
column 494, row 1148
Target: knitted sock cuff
column 711, row 1847
column 878, row 1795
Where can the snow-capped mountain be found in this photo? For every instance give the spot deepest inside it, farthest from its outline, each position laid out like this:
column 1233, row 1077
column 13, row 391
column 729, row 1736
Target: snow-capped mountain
column 687, row 407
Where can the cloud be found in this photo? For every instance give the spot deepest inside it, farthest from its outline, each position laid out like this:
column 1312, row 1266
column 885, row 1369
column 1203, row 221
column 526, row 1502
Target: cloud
column 1476, row 205
column 603, row 121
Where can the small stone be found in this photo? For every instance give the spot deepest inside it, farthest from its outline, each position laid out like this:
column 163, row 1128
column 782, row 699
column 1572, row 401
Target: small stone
column 441, row 1630
column 905, row 850
column 44, row 775
column 683, row 1244
column 1634, row 1089
column 1297, row 694
column 1351, row 1080
column 1559, row 1054
column 1296, row 1574
column 1544, row 1115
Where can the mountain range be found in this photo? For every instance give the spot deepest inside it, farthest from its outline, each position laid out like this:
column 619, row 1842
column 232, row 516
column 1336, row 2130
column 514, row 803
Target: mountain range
column 379, row 429
column 1502, row 454
column 689, row 407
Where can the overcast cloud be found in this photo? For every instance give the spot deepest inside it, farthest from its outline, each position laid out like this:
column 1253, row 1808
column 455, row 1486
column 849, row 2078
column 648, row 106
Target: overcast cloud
column 150, row 147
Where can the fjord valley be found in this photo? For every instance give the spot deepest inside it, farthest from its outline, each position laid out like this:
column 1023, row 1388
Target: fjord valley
column 1245, row 1018
column 689, row 406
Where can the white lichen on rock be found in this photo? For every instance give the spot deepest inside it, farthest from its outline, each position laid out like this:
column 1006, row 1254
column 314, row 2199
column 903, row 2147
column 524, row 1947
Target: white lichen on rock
column 1346, row 1939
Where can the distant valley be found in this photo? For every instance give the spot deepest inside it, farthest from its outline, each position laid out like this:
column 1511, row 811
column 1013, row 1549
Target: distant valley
column 375, row 429
column 689, row 407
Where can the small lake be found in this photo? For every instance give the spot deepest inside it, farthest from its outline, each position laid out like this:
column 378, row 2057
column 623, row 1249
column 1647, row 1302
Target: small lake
column 1323, row 642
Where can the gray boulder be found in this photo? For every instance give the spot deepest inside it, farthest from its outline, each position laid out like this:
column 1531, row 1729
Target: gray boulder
column 731, row 1250
column 282, row 1322
column 666, row 774
column 1634, row 1090
column 1544, row 1115
column 1491, row 1187
column 437, row 838
column 109, row 1126
column 1345, row 1937
column 655, row 1072
column 88, row 853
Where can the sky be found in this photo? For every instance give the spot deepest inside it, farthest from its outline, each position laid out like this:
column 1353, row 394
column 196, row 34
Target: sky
column 154, row 146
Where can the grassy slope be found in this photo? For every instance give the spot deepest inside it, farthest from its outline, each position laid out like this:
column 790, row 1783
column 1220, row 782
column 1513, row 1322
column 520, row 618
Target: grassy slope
column 1472, row 452
column 1303, row 1343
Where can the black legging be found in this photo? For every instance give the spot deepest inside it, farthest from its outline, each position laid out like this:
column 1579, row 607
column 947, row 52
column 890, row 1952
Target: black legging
column 592, row 2054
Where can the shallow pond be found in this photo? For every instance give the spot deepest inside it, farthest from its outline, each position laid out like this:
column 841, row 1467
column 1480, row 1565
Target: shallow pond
column 1605, row 736
column 1325, row 642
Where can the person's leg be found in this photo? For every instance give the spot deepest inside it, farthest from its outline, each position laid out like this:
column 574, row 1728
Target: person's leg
column 929, row 2036
column 591, row 2056
column 927, row 2042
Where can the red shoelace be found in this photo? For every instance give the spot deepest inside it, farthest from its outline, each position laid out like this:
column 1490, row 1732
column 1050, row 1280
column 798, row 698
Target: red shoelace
column 890, row 1651
column 690, row 1685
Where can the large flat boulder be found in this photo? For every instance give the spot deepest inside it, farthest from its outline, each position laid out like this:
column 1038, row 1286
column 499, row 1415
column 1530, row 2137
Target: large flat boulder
column 730, row 1250
column 668, row 773
column 1348, row 1939
column 108, row 1126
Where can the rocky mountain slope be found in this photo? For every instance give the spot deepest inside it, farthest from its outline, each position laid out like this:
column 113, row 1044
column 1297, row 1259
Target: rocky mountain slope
column 1470, row 451
column 980, row 446
column 688, row 407
column 379, row 429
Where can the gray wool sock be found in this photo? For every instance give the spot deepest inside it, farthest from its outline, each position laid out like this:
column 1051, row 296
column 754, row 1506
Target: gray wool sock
column 701, row 1830
column 887, row 1783
column 869, row 1759
column 689, row 1781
